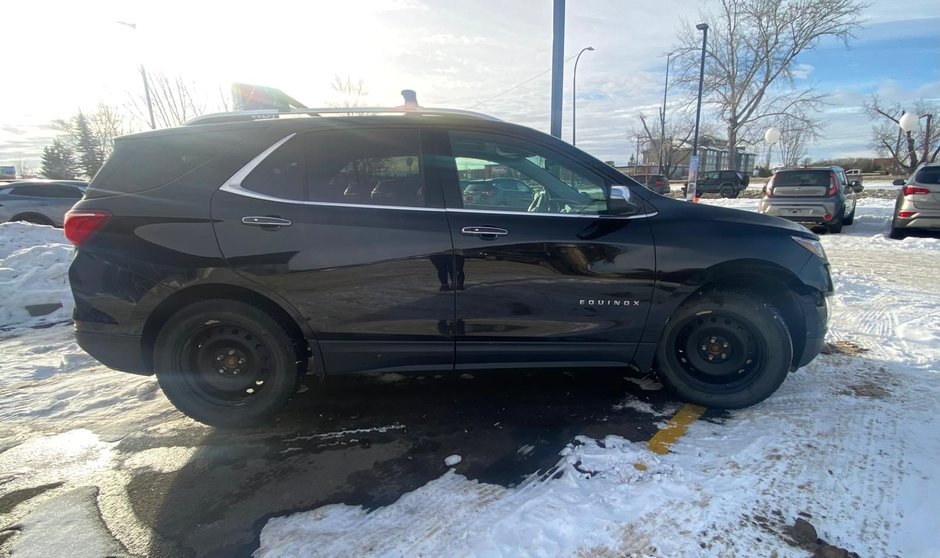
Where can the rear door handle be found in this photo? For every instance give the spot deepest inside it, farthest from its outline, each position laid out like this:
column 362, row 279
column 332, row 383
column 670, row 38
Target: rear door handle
column 484, row 231
column 265, row 222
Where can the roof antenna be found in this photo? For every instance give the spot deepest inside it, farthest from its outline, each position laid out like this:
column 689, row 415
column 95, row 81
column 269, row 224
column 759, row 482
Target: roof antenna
column 411, row 99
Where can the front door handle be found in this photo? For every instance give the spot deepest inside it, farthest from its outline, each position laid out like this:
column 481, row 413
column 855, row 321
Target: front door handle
column 265, row 222
column 484, row 232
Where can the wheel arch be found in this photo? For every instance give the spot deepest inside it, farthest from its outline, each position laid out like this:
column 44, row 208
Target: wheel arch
column 291, row 322
column 774, row 283
column 32, row 217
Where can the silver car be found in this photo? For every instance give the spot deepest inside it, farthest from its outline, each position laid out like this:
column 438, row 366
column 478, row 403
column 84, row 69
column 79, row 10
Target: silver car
column 814, row 196
column 918, row 203
column 43, row 202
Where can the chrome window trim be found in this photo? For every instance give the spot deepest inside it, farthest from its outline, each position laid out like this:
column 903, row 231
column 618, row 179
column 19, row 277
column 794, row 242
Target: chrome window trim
column 234, row 186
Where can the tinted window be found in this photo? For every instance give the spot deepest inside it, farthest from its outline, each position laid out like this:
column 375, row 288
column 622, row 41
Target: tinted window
column 803, row 178
column 928, row 175
column 381, row 166
column 554, row 185
column 141, row 163
column 281, row 174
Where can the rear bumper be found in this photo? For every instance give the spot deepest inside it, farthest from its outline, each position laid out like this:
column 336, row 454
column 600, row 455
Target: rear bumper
column 812, row 212
column 114, row 350
column 928, row 222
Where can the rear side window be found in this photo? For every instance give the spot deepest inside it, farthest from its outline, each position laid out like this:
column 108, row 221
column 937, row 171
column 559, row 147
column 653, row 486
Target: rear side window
column 376, row 167
column 146, row 162
column 928, row 175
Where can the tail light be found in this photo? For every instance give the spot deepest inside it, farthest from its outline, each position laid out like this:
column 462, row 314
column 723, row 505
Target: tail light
column 906, row 214
column 769, row 187
column 833, row 184
column 660, row 183
column 913, row 190
column 81, row 224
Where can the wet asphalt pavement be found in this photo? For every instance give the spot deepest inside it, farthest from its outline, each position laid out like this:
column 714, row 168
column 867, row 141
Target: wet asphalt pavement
column 367, row 441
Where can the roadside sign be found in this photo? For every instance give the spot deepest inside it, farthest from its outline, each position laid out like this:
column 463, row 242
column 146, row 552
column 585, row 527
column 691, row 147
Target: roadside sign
column 7, row 172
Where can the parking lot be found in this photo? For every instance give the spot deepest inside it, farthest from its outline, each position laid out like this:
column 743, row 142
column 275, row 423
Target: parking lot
column 95, row 462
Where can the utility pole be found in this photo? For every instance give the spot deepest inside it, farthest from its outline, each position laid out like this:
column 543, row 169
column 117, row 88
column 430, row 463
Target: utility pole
column 558, row 65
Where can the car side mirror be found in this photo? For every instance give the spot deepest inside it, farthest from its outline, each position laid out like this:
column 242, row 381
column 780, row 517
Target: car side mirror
column 856, row 186
column 898, row 182
column 621, row 201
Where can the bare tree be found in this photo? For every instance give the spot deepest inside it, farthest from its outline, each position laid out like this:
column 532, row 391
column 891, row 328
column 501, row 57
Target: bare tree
column 794, row 136
column 671, row 144
column 107, row 123
column 750, row 66
column 351, row 93
column 908, row 149
column 175, row 100
column 24, row 167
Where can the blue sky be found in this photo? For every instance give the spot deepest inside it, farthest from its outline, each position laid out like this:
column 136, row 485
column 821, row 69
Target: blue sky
column 455, row 54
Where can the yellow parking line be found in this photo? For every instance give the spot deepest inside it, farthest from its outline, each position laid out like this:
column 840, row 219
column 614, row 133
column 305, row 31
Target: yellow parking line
column 674, row 429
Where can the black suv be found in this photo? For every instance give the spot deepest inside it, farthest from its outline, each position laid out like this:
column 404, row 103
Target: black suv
column 726, row 183
column 235, row 256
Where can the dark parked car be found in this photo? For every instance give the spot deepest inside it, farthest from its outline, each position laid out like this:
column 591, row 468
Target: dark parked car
column 816, row 196
column 655, row 182
column 235, row 258
column 727, row 183
column 43, row 202
column 918, row 202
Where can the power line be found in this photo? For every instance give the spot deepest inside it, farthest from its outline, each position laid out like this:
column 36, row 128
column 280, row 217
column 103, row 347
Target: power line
column 513, row 88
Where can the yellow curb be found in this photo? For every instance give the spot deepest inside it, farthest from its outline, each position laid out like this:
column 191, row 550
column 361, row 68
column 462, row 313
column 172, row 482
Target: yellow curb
column 674, row 429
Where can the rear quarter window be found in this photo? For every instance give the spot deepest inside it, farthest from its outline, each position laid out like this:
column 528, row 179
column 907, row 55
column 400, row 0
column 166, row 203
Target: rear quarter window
column 142, row 163
column 928, row 175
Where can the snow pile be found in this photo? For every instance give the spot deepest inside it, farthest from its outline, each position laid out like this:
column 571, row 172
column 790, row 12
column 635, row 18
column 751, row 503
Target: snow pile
column 34, row 263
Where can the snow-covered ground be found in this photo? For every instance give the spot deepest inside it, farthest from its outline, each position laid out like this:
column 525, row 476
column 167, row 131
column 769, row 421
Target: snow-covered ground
column 849, row 442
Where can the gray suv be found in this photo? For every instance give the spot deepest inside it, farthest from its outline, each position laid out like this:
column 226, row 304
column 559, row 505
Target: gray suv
column 43, row 202
column 814, row 196
column 918, row 202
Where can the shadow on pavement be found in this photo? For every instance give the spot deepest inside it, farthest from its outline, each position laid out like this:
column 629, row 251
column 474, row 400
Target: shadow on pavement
column 367, row 441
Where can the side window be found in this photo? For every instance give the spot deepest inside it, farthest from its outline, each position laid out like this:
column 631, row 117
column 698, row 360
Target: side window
column 375, row 167
column 485, row 162
column 281, row 174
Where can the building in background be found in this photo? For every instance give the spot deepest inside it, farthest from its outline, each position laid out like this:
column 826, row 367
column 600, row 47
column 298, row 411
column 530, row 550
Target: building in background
column 712, row 153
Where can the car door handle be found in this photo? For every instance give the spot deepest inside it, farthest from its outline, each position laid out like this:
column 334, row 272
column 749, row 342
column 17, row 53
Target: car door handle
column 266, row 222
column 484, row 232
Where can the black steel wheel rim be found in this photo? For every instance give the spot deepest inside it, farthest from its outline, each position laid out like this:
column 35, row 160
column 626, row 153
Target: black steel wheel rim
column 226, row 363
column 720, row 350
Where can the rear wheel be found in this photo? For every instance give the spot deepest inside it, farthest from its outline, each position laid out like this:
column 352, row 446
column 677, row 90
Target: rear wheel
column 33, row 218
column 725, row 349
column 849, row 219
column 726, row 191
column 897, row 233
column 836, row 226
column 226, row 363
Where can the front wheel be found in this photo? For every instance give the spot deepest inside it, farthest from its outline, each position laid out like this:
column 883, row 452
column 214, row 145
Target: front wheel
column 226, row 363
column 725, row 349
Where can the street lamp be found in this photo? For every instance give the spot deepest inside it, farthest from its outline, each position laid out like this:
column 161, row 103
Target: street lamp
column 693, row 163
column 908, row 123
column 662, row 118
column 574, row 98
column 143, row 74
column 771, row 136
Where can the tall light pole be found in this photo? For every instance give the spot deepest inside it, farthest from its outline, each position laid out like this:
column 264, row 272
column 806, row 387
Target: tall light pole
column 662, row 119
column 558, row 64
column 693, row 164
column 143, row 74
column 908, row 123
column 574, row 98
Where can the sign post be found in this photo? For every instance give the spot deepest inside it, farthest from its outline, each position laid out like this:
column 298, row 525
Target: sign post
column 690, row 193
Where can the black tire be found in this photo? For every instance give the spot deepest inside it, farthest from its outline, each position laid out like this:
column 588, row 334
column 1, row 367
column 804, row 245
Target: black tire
column 33, row 218
column 226, row 363
column 744, row 334
column 726, row 191
column 736, row 194
column 836, row 226
column 849, row 219
column 896, row 233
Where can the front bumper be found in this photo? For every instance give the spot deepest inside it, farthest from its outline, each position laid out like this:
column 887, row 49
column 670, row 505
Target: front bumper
column 816, row 317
